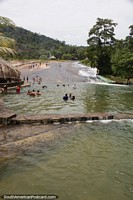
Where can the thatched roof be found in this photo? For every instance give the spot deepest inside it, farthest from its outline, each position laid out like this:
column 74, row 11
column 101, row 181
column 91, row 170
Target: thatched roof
column 6, row 71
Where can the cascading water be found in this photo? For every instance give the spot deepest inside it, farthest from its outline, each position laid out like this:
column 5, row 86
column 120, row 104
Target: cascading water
column 91, row 74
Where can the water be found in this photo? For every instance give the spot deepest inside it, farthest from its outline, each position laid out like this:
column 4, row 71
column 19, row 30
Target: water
column 74, row 161
column 89, row 98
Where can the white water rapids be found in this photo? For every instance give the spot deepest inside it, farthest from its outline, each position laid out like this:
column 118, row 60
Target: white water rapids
column 91, row 74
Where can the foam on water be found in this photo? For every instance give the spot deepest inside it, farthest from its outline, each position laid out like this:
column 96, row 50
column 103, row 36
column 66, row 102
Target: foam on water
column 92, row 77
column 110, row 120
column 88, row 72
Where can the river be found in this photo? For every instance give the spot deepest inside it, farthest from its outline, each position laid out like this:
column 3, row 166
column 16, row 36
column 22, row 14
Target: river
column 82, row 161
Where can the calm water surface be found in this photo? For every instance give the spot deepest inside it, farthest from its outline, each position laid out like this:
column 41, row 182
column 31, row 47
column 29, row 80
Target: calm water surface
column 89, row 98
column 88, row 161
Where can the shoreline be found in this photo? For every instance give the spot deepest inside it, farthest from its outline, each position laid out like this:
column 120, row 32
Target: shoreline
column 25, row 65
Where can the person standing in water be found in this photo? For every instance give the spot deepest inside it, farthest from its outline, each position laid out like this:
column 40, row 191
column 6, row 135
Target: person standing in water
column 65, row 98
column 74, row 86
column 27, row 79
column 18, row 89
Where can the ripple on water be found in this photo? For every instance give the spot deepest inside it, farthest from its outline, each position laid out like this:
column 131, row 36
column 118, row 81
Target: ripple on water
column 84, row 159
column 89, row 98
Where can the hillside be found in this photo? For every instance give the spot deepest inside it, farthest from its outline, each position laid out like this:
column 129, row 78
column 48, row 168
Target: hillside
column 31, row 45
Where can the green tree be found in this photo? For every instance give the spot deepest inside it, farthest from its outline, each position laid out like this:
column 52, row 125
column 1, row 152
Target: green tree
column 122, row 62
column 6, row 44
column 129, row 39
column 122, row 59
column 101, row 39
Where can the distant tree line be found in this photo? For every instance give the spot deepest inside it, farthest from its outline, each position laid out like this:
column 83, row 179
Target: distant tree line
column 31, row 45
column 110, row 55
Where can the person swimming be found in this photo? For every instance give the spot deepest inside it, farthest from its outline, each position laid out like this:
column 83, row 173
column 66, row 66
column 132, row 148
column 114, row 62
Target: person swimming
column 65, row 98
column 38, row 92
column 70, row 95
column 73, row 98
column 74, row 86
column 28, row 93
column 44, row 86
column 33, row 93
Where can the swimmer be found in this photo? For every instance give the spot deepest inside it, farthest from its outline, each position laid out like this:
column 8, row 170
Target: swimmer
column 44, row 86
column 74, row 86
column 65, row 98
column 33, row 93
column 73, row 98
column 28, row 93
column 38, row 92
column 70, row 95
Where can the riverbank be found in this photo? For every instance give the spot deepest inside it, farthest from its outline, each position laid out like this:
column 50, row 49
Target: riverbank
column 119, row 80
column 28, row 66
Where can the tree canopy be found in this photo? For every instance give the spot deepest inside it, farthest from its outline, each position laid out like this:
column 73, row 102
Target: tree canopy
column 6, row 43
column 100, row 41
column 108, row 54
column 102, row 33
column 31, row 45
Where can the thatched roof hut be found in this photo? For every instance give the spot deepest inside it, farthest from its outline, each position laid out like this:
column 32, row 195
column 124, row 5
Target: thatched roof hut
column 8, row 72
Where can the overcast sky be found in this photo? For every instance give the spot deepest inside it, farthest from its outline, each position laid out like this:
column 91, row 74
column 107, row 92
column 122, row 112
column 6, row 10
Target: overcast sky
column 68, row 20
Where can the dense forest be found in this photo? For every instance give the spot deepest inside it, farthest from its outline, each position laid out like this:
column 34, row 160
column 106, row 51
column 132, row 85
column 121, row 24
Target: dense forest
column 31, row 45
column 110, row 55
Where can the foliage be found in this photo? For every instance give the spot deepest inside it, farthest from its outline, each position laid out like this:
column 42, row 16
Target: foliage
column 122, row 58
column 102, row 33
column 129, row 39
column 122, row 62
column 31, row 45
column 6, row 44
column 4, row 21
column 101, row 39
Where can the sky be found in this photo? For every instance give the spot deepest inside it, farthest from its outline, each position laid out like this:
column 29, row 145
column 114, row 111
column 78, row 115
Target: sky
column 68, row 20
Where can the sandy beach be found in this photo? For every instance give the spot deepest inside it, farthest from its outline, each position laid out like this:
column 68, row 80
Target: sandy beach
column 31, row 65
column 53, row 71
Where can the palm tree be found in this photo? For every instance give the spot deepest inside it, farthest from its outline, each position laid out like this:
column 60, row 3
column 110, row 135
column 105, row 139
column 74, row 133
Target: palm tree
column 7, row 72
column 6, row 44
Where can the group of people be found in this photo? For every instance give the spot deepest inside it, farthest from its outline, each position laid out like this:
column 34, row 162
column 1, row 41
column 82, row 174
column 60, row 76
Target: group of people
column 37, row 79
column 34, row 65
column 34, row 93
column 66, row 97
column 71, row 97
